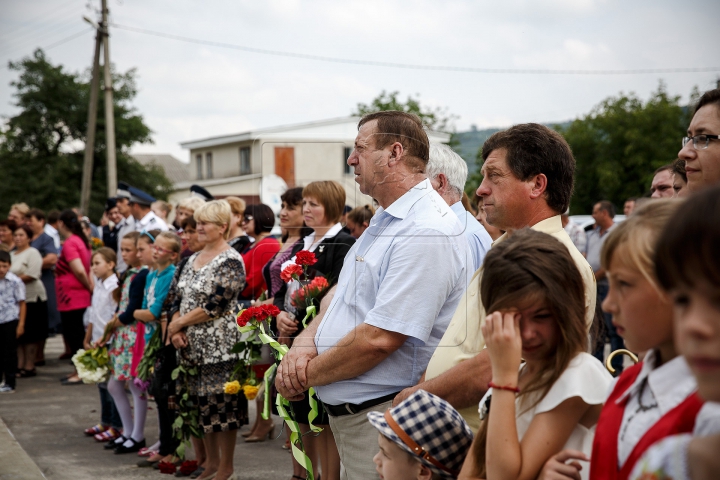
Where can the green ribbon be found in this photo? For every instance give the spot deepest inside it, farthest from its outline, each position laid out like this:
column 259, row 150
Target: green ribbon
column 310, row 313
column 283, row 404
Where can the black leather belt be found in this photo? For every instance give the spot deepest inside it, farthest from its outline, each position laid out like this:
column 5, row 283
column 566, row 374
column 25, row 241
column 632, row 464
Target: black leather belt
column 352, row 408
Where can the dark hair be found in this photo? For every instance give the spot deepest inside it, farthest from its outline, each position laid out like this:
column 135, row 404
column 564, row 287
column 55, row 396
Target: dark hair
column 709, row 98
column 361, row 215
column 406, row 128
column 37, row 213
column 72, row 222
column 668, row 167
column 687, row 250
column 293, row 196
column 607, row 206
column 534, row 149
column 189, row 222
column 10, row 224
column 263, row 216
column 5, row 257
column 151, row 235
column 533, row 265
column 678, row 168
column 25, row 229
column 631, row 199
column 53, row 217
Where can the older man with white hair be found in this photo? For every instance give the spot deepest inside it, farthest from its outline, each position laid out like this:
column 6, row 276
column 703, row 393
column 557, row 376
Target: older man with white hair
column 448, row 172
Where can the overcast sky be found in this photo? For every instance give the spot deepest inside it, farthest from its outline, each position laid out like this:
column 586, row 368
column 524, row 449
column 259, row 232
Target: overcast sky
column 190, row 91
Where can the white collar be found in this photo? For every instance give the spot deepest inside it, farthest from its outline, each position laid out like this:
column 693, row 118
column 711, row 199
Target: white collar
column 670, row 383
column 310, row 239
column 110, row 283
column 146, row 219
column 401, row 207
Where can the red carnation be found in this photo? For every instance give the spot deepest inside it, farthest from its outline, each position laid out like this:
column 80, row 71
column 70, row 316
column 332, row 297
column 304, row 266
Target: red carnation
column 305, row 257
column 166, row 467
column 244, row 317
column 188, row 466
column 291, row 271
column 320, row 283
column 270, row 310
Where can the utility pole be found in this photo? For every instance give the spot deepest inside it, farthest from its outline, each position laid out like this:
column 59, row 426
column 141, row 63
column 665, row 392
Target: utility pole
column 92, row 122
column 109, row 110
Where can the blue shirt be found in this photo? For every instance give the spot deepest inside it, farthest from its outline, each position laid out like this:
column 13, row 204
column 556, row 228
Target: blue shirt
column 157, row 287
column 478, row 238
column 406, row 274
column 12, row 292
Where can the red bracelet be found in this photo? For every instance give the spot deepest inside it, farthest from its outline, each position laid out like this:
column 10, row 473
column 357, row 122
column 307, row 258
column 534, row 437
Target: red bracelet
column 501, row 387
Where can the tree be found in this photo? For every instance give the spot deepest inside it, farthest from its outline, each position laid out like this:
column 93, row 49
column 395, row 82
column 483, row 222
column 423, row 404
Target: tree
column 620, row 143
column 41, row 148
column 435, row 119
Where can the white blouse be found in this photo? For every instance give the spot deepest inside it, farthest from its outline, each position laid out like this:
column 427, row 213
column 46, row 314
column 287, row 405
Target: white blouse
column 585, row 377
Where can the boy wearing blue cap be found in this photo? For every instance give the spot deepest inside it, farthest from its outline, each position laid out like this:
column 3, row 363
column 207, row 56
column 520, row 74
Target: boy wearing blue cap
column 423, row 438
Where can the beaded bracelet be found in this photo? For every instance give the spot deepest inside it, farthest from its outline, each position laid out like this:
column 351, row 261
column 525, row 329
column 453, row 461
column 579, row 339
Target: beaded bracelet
column 501, row 387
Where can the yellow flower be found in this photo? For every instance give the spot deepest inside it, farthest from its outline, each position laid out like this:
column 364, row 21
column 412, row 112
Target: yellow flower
column 250, row 391
column 231, row 388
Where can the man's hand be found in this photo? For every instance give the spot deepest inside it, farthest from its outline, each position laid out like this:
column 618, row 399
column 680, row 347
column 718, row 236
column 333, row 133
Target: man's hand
column 557, row 469
column 286, row 324
column 179, row 340
column 404, row 394
column 291, row 378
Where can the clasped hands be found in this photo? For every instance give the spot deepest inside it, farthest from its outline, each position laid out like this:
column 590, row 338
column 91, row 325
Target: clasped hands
column 292, row 379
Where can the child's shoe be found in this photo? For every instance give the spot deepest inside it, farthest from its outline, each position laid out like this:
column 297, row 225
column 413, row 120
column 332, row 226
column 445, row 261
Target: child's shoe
column 96, row 429
column 108, row 435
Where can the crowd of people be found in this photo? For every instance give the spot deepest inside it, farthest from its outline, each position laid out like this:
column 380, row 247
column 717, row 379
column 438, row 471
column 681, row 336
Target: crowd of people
column 453, row 341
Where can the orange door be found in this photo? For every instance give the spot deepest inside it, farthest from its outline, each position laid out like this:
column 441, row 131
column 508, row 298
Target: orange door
column 285, row 164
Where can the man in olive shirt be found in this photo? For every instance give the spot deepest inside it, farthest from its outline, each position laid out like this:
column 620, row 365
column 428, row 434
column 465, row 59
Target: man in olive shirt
column 528, row 181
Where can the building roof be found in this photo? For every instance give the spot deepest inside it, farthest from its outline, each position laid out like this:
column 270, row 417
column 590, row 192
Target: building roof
column 343, row 129
column 175, row 170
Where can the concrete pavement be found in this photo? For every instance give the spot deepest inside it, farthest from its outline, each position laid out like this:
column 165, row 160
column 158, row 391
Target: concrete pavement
column 48, row 420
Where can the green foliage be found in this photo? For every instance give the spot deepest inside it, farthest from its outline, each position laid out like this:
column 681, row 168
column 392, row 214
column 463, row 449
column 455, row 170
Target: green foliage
column 619, row 145
column 437, row 119
column 42, row 147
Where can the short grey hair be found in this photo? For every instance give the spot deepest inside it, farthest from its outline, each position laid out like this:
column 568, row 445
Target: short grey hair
column 444, row 160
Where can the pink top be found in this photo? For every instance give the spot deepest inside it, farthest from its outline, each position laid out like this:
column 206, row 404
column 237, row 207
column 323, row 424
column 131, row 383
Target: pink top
column 71, row 294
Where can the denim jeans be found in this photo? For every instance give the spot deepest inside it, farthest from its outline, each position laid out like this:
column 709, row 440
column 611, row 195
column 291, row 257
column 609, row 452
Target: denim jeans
column 109, row 415
column 616, row 341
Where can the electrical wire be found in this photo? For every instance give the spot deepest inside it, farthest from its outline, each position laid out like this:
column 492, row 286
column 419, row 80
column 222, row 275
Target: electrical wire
column 407, row 66
column 62, row 41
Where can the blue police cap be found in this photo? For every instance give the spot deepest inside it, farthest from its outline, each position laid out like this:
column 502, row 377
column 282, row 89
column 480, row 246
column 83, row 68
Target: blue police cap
column 199, row 191
column 140, row 197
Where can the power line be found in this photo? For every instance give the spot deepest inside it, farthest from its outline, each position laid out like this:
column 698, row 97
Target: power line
column 62, row 41
column 408, row 66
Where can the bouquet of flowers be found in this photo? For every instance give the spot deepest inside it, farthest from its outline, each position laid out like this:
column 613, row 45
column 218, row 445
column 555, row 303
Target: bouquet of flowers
column 92, row 365
column 147, row 363
column 310, row 291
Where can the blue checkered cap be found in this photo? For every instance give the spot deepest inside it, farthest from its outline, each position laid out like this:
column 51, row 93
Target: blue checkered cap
column 434, row 425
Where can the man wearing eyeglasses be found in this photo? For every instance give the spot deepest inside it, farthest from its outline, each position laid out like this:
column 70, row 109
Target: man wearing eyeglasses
column 701, row 148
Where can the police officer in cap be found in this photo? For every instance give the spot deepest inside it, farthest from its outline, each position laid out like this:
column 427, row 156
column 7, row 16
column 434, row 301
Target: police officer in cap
column 199, row 191
column 127, row 224
column 145, row 218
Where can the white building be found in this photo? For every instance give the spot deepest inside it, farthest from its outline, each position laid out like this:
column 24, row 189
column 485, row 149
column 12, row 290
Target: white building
column 234, row 164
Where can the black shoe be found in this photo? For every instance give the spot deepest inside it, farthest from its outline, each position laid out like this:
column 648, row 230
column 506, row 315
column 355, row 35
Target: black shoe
column 41, row 363
column 112, row 445
column 135, row 447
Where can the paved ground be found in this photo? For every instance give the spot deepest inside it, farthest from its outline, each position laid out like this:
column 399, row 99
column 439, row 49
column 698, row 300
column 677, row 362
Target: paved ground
column 48, row 420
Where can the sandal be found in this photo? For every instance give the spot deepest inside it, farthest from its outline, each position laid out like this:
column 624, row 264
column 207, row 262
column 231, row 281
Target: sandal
column 108, row 435
column 27, row 373
column 95, row 430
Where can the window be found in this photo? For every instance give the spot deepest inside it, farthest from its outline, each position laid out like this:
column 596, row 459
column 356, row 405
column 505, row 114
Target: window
column 209, row 165
column 346, row 154
column 198, row 159
column 245, row 168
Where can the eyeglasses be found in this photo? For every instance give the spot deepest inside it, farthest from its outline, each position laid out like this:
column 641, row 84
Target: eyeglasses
column 700, row 142
column 161, row 250
column 247, row 218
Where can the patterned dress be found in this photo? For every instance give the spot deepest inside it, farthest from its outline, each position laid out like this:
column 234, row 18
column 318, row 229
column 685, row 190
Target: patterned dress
column 214, row 288
column 120, row 349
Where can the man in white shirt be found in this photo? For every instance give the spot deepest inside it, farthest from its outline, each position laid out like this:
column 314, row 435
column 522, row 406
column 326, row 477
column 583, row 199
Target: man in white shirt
column 576, row 232
column 145, row 218
column 447, row 172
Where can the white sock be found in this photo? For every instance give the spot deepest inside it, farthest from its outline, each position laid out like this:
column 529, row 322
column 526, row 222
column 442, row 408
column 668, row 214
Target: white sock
column 122, row 403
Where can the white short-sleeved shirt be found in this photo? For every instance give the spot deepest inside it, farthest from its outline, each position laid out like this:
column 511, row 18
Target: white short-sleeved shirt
column 585, row 377
column 103, row 305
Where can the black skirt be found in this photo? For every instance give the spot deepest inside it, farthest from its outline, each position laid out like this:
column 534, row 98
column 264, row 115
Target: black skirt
column 36, row 323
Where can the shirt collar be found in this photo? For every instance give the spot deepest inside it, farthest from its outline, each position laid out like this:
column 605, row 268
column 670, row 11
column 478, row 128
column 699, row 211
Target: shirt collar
column 458, row 208
column 146, row 219
column 550, row 226
column 670, row 383
column 402, row 206
column 308, row 241
column 110, row 283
